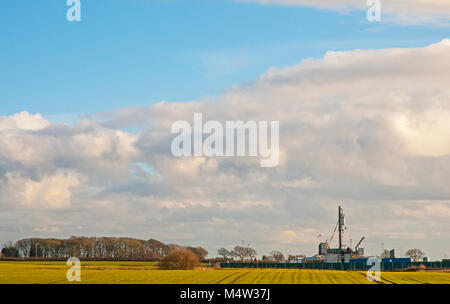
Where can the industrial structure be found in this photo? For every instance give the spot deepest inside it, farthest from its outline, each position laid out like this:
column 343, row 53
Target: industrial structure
column 342, row 257
column 343, row 253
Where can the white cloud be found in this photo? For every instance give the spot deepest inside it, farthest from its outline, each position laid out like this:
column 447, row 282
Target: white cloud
column 306, row 236
column 411, row 11
column 306, row 182
column 366, row 127
column 51, row 192
column 23, row 121
column 426, row 133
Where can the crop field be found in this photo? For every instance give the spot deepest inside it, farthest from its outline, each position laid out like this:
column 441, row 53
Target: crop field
column 147, row 273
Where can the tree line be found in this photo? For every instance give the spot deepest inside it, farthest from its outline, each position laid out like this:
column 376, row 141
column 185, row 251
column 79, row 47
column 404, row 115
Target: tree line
column 95, row 248
column 116, row 248
column 241, row 253
column 249, row 254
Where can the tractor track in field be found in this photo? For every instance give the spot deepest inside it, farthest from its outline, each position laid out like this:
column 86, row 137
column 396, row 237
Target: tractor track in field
column 377, row 282
column 60, row 281
column 239, row 276
column 226, row 277
column 260, row 276
column 409, row 278
column 331, row 278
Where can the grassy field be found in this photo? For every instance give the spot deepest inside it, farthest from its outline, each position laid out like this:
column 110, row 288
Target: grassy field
column 147, row 273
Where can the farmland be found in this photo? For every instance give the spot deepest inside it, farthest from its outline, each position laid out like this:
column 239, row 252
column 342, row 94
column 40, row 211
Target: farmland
column 147, row 273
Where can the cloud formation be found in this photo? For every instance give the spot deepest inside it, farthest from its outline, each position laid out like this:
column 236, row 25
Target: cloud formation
column 411, row 11
column 369, row 128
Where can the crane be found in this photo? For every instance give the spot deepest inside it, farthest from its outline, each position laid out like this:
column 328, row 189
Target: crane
column 332, row 236
column 359, row 243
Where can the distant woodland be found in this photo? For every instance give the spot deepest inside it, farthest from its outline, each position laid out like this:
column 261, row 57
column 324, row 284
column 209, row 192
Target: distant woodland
column 94, row 248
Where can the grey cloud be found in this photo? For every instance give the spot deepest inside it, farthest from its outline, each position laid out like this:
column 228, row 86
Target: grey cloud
column 367, row 127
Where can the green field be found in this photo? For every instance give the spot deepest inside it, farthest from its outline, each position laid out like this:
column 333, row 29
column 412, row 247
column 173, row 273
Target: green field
column 147, row 273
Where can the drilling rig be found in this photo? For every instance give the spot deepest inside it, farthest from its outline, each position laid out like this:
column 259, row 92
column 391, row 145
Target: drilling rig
column 341, row 253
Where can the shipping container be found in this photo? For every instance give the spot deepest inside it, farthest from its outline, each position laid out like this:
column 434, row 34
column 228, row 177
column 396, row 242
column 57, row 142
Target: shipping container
column 396, row 260
column 358, row 260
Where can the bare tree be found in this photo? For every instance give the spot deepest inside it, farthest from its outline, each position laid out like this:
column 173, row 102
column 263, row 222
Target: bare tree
column 240, row 252
column 385, row 254
column 157, row 248
column 225, row 253
column 251, row 253
column 277, row 256
column 415, row 254
column 244, row 252
column 199, row 251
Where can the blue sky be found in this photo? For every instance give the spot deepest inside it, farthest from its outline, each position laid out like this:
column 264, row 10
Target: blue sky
column 137, row 52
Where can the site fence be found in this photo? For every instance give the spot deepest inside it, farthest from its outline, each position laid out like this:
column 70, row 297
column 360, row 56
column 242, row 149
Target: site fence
column 385, row 266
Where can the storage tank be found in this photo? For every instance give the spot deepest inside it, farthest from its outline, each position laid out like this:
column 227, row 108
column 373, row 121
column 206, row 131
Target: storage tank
column 322, row 248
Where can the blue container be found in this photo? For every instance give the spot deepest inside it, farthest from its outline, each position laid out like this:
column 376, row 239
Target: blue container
column 396, row 260
column 358, row 260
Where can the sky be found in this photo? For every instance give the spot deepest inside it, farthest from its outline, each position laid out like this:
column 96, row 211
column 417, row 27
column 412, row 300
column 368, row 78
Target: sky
column 86, row 109
column 142, row 51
